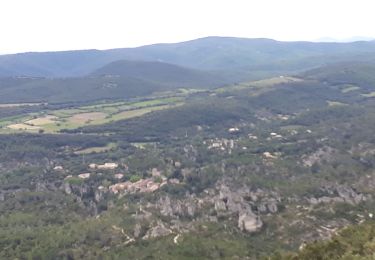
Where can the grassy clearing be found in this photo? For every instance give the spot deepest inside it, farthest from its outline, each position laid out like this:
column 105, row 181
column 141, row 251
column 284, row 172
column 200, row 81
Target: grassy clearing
column 142, row 145
column 274, row 81
column 369, row 95
column 139, row 112
column 20, row 105
column 45, row 120
column 83, row 118
column 260, row 85
column 349, row 88
column 335, row 103
column 22, row 126
column 66, row 112
column 101, row 149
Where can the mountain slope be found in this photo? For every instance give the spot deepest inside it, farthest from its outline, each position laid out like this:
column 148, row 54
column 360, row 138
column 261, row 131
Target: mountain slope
column 160, row 72
column 358, row 73
column 122, row 79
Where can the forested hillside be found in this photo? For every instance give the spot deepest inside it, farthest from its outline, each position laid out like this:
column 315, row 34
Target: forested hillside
column 253, row 170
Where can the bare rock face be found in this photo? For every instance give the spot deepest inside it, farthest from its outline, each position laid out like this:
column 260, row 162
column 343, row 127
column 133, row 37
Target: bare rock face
column 98, row 195
column 339, row 193
column 220, row 205
column 262, row 208
column 326, row 153
column 166, row 208
column 272, row 207
column 137, row 230
column 249, row 222
column 177, row 208
column 190, row 209
column 67, row 188
column 41, row 187
column 157, row 231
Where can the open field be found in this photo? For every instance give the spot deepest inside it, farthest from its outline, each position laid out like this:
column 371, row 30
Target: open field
column 335, row 103
column 369, row 95
column 23, row 127
column 99, row 149
column 44, row 120
column 349, row 88
column 260, row 86
column 86, row 117
column 53, row 121
column 20, row 105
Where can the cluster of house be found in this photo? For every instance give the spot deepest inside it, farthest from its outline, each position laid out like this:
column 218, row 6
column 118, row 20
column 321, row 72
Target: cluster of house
column 233, row 130
column 147, row 185
column 143, row 185
column 275, row 135
column 220, row 144
column 105, row 166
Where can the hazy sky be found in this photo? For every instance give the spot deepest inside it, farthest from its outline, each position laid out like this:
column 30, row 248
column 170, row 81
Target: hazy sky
column 44, row 25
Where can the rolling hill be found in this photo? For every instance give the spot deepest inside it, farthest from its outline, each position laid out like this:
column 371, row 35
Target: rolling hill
column 160, row 72
column 118, row 80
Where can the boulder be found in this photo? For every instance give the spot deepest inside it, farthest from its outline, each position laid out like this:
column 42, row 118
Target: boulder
column 67, row 188
column 249, row 222
column 137, row 230
column 272, row 207
column 220, row 205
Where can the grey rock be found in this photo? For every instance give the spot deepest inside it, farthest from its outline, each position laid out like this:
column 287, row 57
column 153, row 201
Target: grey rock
column 40, row 187
column 220, row 205
column 98, row 195
column 262, row 208
column 166, row 207
column 191, row 209
column 137, row 230
column 272, row 207
column 313, row 201
column 67, row 188
column 249, row 222
column 157, row 231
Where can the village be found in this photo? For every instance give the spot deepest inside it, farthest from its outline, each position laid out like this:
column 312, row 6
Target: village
column 133, row 185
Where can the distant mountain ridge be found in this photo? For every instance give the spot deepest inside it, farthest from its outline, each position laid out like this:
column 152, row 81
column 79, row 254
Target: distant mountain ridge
column 210, row 53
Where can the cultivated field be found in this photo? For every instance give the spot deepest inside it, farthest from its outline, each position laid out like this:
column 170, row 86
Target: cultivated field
column 53, row 121
column 44, row 120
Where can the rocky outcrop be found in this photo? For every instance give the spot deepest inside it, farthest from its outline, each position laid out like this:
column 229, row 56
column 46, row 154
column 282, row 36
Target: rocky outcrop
column 220, row 205
column 67, row 189
column 325, row 153
column 249, row 222
column 137, row 230
column 99, row 194
column 178, row 208
column 157, row 231
column 338, row 193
